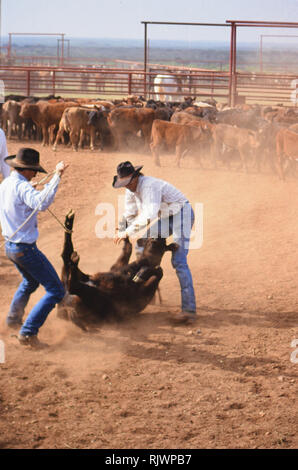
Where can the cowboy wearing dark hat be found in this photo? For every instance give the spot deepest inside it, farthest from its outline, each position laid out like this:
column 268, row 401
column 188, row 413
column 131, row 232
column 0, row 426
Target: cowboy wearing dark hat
column 25, row 159
column 125, row 173
column 19, row 205
column 149, row 199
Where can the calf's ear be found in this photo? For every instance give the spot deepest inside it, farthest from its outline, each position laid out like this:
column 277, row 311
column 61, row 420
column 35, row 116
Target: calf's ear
column 172, row 247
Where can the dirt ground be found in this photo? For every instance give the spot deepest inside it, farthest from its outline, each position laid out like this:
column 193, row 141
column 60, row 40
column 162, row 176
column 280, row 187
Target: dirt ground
column 227, row 382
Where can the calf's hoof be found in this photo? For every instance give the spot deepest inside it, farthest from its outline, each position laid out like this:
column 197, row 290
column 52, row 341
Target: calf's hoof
column 75, row 258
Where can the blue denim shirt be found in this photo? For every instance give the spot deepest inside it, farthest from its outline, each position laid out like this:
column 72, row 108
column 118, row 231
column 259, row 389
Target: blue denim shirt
column 18, row 199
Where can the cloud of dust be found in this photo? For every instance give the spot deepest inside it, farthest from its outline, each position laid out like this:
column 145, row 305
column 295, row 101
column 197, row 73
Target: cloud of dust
column 81, row 354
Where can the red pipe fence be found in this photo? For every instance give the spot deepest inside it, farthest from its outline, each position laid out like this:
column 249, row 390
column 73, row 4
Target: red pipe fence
column 118, row 83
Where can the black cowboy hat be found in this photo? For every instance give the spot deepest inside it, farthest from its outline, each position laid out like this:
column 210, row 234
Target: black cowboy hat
column 25, row 159
column 125, row 173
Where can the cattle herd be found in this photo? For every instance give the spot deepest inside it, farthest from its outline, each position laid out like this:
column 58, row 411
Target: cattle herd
column 259, row 137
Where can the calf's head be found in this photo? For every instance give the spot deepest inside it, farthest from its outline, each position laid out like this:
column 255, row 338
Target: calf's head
column 25, row 111
column 154, row 249
column 96, row 116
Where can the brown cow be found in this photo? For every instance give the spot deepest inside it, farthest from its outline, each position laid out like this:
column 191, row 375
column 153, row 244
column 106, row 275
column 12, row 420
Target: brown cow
column 202, row 110
column 267, row 149
column 13, row 124
column 122, row 292
column 125, row 122
column 286, row 150
column 236, row 138
column 195, row 121
column 283, row 115
column 45, row 115
column 181, row 117
column 89, row 102
column 175, row 137
column 11, row 118
column 75, row 121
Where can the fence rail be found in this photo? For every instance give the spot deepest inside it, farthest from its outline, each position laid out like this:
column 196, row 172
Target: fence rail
column 113, row 83
column 267, row 88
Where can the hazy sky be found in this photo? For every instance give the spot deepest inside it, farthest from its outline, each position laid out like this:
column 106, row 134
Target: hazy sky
column 122, row 18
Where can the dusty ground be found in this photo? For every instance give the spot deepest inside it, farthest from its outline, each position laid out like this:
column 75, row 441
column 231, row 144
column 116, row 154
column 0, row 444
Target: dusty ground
column 228, row 382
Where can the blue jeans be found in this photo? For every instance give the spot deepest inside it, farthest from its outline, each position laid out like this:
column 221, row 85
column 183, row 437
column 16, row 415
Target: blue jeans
column 35, row 269
column 179, row 226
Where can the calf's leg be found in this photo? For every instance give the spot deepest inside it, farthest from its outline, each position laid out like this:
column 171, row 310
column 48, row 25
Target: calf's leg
column 155, row 152
column 124, row 256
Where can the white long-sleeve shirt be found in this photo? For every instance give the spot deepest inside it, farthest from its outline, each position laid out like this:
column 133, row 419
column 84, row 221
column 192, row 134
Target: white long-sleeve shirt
column 153, row 197
column 4, row 168
column 18, row 199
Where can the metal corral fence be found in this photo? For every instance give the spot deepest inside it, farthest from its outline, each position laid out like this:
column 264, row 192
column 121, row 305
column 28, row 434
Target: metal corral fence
column 76, row 81
column 267, row 88
column 118, row 83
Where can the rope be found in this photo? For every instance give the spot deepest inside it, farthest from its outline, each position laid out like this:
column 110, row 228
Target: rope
column 59, row 222
column 37, row 183
column 52, row 214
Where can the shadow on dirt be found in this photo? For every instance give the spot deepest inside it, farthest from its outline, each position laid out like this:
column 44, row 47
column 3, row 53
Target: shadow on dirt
column 187, row 345
column 253, row 318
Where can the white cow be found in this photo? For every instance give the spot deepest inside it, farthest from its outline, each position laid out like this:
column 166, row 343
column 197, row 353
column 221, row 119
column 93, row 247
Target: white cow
column 164, row 86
